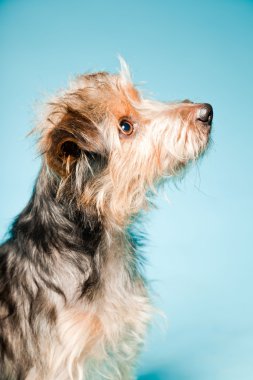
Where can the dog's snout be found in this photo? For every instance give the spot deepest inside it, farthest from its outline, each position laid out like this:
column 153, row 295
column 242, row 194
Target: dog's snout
column 205, row 114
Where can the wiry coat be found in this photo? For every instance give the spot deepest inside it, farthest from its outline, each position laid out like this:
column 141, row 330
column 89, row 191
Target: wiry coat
column 73, row 301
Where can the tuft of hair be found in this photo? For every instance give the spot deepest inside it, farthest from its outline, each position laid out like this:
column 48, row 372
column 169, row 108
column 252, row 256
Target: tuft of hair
column 125, row 73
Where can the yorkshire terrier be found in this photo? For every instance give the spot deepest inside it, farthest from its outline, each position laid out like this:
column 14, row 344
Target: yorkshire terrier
column 74, row 303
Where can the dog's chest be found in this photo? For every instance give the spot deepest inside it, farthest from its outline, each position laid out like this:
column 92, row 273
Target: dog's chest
column 113, row 323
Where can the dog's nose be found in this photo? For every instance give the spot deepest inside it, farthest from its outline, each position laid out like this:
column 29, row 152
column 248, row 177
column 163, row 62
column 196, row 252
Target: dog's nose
column 205, row 114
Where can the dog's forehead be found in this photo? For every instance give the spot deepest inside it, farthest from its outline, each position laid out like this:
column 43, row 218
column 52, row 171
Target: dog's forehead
column 113, row 83
column 110, row 91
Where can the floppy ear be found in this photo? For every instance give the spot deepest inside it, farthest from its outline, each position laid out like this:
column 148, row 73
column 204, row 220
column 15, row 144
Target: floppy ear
column 73, row 137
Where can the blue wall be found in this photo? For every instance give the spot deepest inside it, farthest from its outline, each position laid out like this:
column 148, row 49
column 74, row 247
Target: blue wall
column 201, row 245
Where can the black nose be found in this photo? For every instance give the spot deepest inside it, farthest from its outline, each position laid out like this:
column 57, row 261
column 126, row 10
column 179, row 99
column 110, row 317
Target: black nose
column 205, row 114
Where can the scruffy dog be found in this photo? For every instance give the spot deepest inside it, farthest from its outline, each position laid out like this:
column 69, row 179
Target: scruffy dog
column 73, row 301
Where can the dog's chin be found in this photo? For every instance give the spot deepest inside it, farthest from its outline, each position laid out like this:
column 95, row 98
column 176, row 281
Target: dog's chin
column 199, row 147
column 180, row 165
column 204, row 147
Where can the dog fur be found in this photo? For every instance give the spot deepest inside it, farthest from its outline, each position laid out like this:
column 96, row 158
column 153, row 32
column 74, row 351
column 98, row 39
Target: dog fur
column 74, row 302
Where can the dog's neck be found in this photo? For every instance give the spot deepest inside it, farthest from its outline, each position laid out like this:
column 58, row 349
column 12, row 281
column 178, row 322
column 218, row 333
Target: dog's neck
column 60, row 235
column 51, row 223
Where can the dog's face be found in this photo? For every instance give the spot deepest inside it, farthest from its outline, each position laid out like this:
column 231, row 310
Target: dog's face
column 109, row 145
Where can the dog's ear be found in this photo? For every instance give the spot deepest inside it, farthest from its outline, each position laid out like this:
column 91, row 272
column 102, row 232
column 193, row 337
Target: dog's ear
column 75, row 136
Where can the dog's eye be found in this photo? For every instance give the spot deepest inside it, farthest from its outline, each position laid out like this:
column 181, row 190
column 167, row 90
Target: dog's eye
column 126, row 127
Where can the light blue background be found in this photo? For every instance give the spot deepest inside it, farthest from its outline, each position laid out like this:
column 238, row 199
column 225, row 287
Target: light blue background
column 200, row 252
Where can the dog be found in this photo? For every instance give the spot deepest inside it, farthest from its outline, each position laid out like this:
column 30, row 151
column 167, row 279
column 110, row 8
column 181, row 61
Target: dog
column 74, row 302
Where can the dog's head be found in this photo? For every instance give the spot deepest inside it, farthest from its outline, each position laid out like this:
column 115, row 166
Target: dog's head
column 108, row 145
